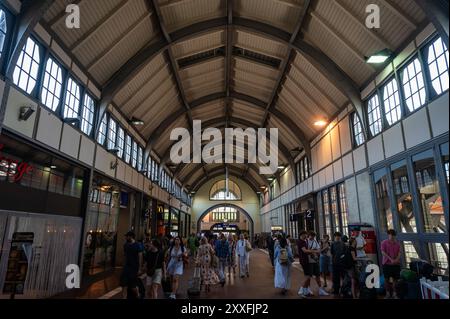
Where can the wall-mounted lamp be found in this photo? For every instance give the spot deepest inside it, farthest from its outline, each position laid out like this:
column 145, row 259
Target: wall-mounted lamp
column 114, row 164
column 113, row 150
column 72, row 120
column 136, row 121
column 26, row 112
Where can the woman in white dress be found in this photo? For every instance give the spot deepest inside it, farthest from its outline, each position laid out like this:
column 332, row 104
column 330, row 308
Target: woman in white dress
column 283, row 261
column 243, row 255
column 177, row 253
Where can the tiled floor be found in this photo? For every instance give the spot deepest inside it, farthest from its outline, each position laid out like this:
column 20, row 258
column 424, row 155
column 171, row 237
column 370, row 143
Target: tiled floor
column 260, row 285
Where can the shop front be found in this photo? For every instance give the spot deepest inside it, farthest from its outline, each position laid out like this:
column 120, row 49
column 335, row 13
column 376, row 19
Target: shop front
column 41, row 219
column 300, row 215
column 113, row 210
column 411, row 196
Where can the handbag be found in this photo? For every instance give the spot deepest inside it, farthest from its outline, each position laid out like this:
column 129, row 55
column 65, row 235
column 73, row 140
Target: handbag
column 313, row 258
column 185, row 260
column 214, row 261
column 166, row 284
column 151, row 271
column 248, row 247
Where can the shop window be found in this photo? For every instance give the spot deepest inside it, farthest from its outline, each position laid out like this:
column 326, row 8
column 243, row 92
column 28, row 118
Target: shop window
column 120, row 141
column 413, row 85
column 358, row 134
column 439, row 257
column 438, row 65
column 72, row 101
column 374, row 115
column 134, row 155
column 128, row 146
column 326, row 213
column 343, row 207
column 383, row 204
column 3, row 30
column 102, row 130
column 334, row 209
column 51, row 88
column 87, row 118
column 429, row 193
column 403, row 197
column 410, row 249
column 112, row 134
column 139, row 158
column 27, row 68
column 391, row 101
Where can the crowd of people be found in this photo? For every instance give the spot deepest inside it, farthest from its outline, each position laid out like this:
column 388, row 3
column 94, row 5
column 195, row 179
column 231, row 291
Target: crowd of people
column 343, row 260
column 163, row 260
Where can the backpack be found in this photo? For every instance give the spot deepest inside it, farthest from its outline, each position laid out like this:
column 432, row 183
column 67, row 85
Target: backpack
column 346, row 259
column 283, row 257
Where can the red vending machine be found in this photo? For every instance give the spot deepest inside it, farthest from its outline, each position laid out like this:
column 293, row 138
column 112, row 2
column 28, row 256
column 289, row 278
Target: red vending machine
column 369, row 234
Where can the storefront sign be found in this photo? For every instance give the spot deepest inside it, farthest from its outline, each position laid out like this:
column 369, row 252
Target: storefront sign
column 18, row 261
column 21, row 169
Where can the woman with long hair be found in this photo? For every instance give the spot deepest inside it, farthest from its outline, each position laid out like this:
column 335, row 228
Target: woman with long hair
column 155, row 267
column 175, row 267
column 205, row 255
column 283, row 259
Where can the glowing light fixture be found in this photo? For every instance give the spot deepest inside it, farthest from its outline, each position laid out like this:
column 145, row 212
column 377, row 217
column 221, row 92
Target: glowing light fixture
column 136, row 121
column 379, row 57
column 320, row 123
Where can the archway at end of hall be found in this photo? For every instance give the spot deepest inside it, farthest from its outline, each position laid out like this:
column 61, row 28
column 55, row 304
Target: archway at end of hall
column 229, row 216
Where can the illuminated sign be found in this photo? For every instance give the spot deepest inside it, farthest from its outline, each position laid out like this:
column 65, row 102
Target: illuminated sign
column 15, row 169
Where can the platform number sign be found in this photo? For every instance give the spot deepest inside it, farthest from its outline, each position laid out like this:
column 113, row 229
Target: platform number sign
column 309, row 214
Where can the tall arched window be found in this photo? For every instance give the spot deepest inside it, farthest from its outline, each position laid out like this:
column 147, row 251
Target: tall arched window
column 219, row 192
column 3, row 30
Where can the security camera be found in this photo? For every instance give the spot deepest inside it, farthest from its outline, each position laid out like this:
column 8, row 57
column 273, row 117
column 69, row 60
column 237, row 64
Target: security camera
column 25, row 113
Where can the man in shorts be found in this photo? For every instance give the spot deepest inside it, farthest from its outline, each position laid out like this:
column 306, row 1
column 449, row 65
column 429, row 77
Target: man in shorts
column 132, row 266
column 391, row 251
column 309, row 251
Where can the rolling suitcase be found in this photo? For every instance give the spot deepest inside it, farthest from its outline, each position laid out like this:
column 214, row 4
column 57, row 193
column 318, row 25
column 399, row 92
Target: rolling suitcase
column 195, row 284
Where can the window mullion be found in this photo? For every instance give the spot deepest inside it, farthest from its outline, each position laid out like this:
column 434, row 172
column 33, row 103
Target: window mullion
column 40, row 80
column 429, row 90
column 384, row 121
column 401, row 95
column 81, row 105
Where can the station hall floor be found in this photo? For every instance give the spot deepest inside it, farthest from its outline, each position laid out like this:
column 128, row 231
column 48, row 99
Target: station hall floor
column 260, row 284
